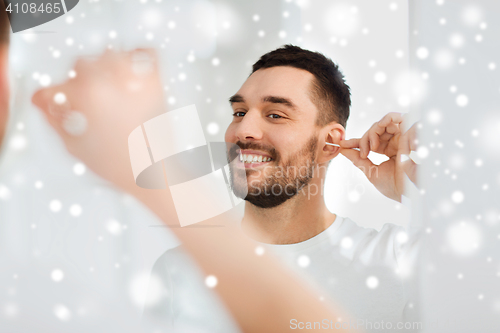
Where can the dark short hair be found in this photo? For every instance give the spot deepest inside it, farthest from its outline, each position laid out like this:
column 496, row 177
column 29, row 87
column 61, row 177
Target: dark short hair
column 329, row 92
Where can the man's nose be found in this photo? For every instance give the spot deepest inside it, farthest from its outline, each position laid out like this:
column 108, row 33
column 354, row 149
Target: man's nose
column 250, row 127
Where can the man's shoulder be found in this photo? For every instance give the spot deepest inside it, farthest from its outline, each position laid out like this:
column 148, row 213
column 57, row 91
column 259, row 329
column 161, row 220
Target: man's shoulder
column 370, row 245
column 387, row 233
column 173, row 257
column 177, row 285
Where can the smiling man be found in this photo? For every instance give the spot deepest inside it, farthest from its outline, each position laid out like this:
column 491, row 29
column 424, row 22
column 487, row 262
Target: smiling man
column 293, row 103
column 287, row 112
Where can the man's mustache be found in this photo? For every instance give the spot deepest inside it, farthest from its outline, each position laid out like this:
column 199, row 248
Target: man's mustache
column 232, row 154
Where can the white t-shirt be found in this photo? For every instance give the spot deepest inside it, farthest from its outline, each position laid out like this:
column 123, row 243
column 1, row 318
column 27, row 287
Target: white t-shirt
column 361, row 270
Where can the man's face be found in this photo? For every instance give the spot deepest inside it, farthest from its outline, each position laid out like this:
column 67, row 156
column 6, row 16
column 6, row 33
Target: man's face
column 274, row 126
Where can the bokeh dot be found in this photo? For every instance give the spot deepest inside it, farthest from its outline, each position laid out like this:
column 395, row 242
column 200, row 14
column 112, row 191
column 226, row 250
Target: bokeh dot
column 213, row 128
column 57, row 275
column 372, row 282
column 462, row 100
column 114, row 227
column 422, row 53
column 380, row 77
column 259, row 250
column 346, row 242
column 60, row 98
column 55, row 205
column 45, row 80
column 457, row 197
column 211, row 281
column 75, row 210
column 303, row 261
column 79, row 169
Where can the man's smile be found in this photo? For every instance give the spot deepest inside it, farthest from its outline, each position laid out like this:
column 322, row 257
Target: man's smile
column 253, row 158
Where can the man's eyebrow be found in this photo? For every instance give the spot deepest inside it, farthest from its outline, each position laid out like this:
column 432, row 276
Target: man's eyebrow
column 279, row 100
column 236, row 99
column 268, row 99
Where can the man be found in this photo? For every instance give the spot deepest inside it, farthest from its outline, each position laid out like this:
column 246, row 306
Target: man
column 287, row 112
column 279, row 114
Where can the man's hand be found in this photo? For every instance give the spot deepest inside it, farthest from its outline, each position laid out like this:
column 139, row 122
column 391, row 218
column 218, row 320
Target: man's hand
column 385, row 137
column 111, row 95
column 4, row 91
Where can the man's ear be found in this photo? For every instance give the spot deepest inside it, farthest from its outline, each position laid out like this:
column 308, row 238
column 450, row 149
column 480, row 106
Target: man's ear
column 332, row 133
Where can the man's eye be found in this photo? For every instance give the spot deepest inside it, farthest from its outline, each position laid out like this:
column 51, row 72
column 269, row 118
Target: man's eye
column 238, row 114
column 275, row 116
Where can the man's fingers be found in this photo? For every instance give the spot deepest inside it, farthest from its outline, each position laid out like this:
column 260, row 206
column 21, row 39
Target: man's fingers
column 143, row 61
column 381, row 131
column 410, row 168
column 408, row 142
column 364, row 146
column 44, row 100
column 374, row 141
column 49, row 98
column 54, row 104
column 364, row 164
column 84, row 64
column 404, row 144
column 384, row 130
column 39, row 99
column 351, row 143
column 151, row 54
column 393, row 128
column 392, row 117
column 386, row 137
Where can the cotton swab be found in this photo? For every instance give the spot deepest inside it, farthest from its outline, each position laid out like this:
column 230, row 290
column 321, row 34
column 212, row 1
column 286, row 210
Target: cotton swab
column 404, row 157
column 336, row 145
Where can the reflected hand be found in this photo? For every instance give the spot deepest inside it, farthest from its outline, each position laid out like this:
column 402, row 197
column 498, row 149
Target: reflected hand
column 385, row 137
column 111, row 95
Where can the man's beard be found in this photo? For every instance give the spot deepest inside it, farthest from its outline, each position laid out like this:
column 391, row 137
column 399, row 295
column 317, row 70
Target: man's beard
column 285, row 181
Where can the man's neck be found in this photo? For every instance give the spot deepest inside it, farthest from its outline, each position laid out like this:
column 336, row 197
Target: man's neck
column 296, row 220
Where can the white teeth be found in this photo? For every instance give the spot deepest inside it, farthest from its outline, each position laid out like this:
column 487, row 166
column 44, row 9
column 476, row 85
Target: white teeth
column 253, row 158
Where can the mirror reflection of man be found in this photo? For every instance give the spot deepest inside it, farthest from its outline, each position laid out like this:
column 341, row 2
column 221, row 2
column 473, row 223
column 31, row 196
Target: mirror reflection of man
column 293, row 104
column 286, row 114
